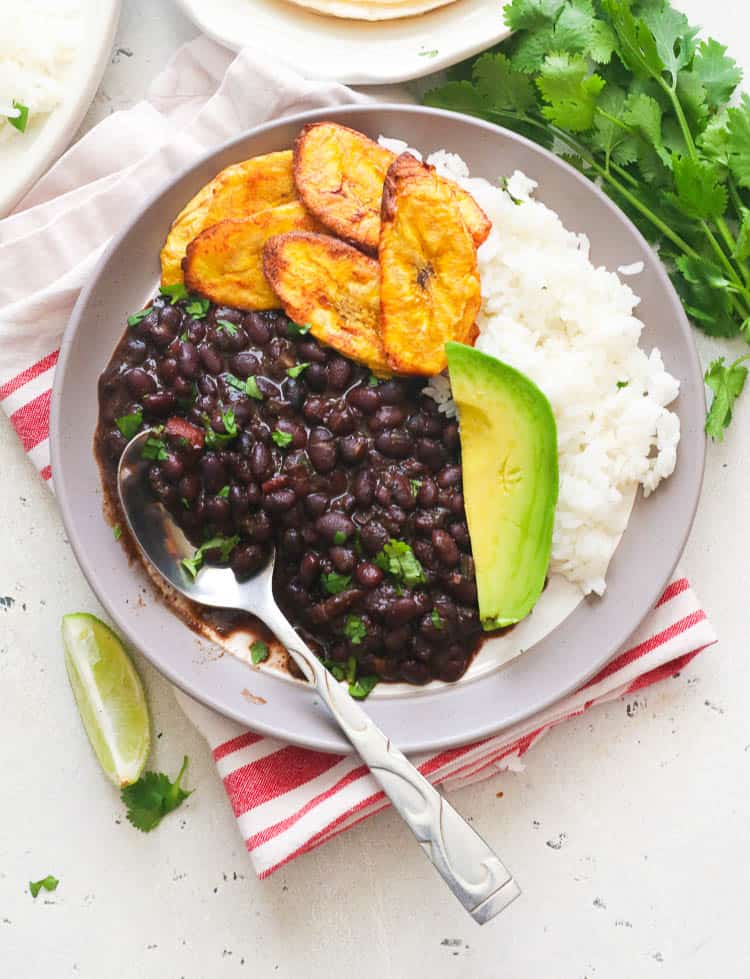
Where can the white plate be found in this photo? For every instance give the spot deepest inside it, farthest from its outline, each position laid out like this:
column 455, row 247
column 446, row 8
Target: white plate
column 25, row 157
column 352, row 51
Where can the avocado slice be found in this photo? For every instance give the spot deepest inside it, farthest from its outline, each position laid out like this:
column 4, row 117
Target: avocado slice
column 509, row 457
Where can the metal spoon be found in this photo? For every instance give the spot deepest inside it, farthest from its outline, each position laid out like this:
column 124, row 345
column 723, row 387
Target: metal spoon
column 466, row 863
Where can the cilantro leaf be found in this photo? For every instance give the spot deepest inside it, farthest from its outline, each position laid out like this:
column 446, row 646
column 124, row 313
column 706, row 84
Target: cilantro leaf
column 155, row 449
column 129, row 424
column 49, row 883
column 570, row 90
column 19, row 122
column 416, row 485
column 227, row 327
column 458, row 96
column 117, row 531
column 436, row 620
column 259, row 652
column 727, row 384
column 609, row 135
column 335, row 583
column 363, row 687
column 742, row 249
column 398, row 559
column 223, row 492
column 700, row 193
column 530, row 14
column 297, row 369
column 498, row 83
column 339, row 538
column 152, row 797
column 136, row 318
column 252, row 390
column 738, row 141
column 175, row 292
column 297, row 330
column 197, row 308
column 673, row 36
column 225, row 546
column 636, row 46
column 701, row 285
column 282, row 439
column 351, row 669
column 214, row 439
column 234, row 382
column 354, row 629
column 719, row 74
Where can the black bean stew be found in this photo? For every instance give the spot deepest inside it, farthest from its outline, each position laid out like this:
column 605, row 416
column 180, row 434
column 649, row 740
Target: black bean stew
column 271, row 437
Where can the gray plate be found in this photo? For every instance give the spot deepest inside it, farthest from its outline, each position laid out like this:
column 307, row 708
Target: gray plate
column 456, row 714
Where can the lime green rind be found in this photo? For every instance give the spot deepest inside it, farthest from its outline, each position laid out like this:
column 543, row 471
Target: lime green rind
column 109, row 695
column 511, row 480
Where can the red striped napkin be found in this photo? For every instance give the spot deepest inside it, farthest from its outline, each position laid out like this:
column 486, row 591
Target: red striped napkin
column 287, row 800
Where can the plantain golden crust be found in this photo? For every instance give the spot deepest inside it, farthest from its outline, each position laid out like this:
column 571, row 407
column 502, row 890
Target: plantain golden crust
column 429, row 281
column 237, row 192
column 332, row 286
column 225, row 262
column 339, row 174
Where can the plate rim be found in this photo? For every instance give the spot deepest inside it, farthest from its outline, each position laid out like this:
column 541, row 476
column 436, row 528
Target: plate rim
column 66, row 126
column 360, row 77
column 334, row 742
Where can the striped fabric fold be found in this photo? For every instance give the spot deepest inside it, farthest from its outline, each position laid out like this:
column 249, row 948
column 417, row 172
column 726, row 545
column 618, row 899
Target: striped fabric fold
column 289, row 800
column 286, row 800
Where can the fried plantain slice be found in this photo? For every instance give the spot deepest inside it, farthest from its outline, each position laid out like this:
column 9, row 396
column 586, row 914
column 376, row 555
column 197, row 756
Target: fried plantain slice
column 225, row 262
column 237, row 192
column 332, row 286
column 339, row 174
column 429, row 281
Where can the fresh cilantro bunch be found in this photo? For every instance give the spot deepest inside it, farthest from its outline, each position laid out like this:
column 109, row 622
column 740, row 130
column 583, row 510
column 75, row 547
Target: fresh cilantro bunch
column 152, row 797
column 626, row 91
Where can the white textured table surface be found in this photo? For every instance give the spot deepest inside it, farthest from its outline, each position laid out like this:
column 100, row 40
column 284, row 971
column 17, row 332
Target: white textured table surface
column 629, row 829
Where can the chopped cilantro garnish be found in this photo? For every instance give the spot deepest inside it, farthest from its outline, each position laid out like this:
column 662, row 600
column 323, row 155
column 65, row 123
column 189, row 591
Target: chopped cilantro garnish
column 225, row 544
column 622, row 384
column 335, row 668
column 415, row 485
column 117, row 531
column 154, row 448
column 129, row 424
column 184, row 337
column 398, row 559
column 282, row 439
column 296, row 330
column 175, row 292
column 227, row 327
column 362, row 687
column 215, row 440
column 197, row 308
column 428, row 54
column 436, row 620
column 297, row 370
column 188, row 402
column 351, row 669
column 136, row 318
column 234, row 382
column 727, row 383
column 335, row 583
column 339, row 538
column 252, row 390
column 354, row 629
column 259, row 652
column 152, row 797
column 185, row 502
column 19, row 122
column 223, row 492
column 373, row 381
column 49, row 883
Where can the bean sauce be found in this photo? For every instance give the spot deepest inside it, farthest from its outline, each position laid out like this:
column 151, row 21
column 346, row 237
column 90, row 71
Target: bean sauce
column 327, row 463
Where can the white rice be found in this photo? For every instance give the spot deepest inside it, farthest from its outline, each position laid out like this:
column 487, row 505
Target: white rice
column 38, row 39
column 569, row 326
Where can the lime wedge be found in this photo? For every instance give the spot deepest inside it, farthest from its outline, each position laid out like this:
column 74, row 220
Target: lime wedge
column 110, row 696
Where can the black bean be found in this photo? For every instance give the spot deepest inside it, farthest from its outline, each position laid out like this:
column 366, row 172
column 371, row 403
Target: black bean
column 402, row 492
column 196, row 331
column 187, row 360
column 316, row 504
column 246, row 363
column 334, row 606
column 309, row 569
column 246, row 559
column 316, row 377
column 213, row 471
column 310, row 351
column 261, row 461
column 173, row 467
column 388, row 416
column 460, row 534
column 257, row 328
column 383, row 494
column 448, row 477
column 424, row 553
column 374, row 537
column 298, row 433
column 339, row 373
column 456, row 504
column 183, row 388
column 171, row 317
column 294, row 392
column 167, row 371
column 341, row 421
column 139, row 382
column 279, row 500
column 292, row 541
column 431, row 453
column 210, row 358
column 334, row 527
column 392, row 392
column 445, row 548
column 135, row 351
column 363, row 487
column 395, row 443
column 450, row 435
column 397, row 641
column 218, row 510
column 368, row 574
column 428, row 493
column 364, row 399
column 238, row 500
column 323, row 455
column 343, row 559
column 414, row 672
column 393, row 519
column 353, row 448
column 461, row 588
column 189, row 487
column 162, row 403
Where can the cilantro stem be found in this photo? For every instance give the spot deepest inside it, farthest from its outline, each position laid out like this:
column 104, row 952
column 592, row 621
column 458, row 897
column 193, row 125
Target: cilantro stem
column 721, row 255
column 674, row 98
column 739, row 207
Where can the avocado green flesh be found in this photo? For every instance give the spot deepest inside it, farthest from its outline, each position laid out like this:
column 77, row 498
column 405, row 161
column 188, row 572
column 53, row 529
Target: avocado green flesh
column 510, row 481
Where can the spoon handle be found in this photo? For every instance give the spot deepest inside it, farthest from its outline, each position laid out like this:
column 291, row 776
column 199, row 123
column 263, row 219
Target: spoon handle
column 466, row 863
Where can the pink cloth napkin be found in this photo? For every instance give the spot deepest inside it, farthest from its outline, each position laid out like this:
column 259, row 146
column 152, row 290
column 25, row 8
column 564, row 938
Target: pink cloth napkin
column 287, row 800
